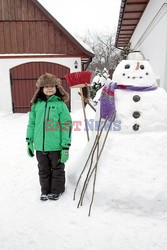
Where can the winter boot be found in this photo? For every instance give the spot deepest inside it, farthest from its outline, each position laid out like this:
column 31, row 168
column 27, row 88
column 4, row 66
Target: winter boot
column 54, row 196
column 44, row 197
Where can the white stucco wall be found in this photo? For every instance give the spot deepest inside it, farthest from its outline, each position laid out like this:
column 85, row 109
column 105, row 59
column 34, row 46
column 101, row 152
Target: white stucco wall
column 150, row 37
column 5, row 89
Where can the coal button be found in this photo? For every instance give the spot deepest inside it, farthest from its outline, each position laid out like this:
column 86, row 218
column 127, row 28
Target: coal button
column 136, row 114
column 136, row 127
column 136, row 98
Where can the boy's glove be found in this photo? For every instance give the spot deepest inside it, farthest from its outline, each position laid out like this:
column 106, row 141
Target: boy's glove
column 64, row 155
column 30, row 149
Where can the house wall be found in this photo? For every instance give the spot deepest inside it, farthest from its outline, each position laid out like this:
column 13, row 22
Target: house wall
column 150, row 37
column 5, row 88
column 24, row 28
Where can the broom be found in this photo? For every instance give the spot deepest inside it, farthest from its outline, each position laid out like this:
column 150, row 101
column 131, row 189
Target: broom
column 80, row 80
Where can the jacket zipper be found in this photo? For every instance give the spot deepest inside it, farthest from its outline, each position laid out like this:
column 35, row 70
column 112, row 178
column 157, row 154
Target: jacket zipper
column 48, row 114
column 44, row 128
column 70, row 128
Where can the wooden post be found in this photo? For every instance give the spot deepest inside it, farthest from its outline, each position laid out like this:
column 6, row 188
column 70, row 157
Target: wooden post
column 85, row 100
column 83, row 107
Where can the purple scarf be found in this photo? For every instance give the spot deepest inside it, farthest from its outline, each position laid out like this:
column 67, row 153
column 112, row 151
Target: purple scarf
column 107, row 99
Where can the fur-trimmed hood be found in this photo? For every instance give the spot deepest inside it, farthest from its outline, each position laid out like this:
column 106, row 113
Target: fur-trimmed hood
column 51, row 80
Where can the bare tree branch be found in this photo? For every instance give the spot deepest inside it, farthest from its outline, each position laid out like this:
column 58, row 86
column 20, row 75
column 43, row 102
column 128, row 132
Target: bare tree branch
column 102, row 44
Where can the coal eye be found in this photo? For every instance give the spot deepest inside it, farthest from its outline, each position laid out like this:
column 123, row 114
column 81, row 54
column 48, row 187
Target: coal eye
column 142, row 66
column 147, row 73
column 123, row 74
column 127, row 66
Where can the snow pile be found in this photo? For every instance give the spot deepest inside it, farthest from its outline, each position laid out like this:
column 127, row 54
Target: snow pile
column 132, row 172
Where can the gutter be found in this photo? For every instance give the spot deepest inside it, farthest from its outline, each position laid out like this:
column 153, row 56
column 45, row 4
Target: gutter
column 122, row 10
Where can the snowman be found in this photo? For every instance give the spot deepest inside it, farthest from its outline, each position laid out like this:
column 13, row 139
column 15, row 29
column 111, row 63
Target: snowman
column 132, row 170
column 139, row 109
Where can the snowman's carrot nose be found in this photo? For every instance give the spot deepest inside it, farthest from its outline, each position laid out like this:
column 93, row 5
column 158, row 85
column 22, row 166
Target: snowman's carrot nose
column 137, row 66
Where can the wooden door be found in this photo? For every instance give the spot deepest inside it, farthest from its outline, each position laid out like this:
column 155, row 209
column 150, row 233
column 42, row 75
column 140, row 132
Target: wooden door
column 23, row 78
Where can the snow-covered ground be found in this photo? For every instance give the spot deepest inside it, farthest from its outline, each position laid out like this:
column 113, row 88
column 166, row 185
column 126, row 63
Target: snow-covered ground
column 119, row 221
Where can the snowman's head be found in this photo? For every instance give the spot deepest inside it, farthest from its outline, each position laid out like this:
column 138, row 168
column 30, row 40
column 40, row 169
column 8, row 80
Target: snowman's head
column 136, row 73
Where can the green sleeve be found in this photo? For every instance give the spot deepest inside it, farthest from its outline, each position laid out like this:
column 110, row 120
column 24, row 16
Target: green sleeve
column 66, row 126
column 31, row 125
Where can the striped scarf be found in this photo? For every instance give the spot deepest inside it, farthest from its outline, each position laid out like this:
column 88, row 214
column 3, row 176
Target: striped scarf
column 107, row 99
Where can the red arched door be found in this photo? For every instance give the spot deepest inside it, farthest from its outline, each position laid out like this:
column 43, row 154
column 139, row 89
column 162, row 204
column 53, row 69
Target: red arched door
column 23, row 78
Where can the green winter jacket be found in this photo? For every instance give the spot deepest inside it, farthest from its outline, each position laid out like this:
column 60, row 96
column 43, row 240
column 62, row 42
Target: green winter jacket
column 50, row 125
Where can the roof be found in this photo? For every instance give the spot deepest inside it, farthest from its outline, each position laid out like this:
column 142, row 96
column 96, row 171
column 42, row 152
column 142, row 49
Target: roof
column 70, row 37
column 130, row 13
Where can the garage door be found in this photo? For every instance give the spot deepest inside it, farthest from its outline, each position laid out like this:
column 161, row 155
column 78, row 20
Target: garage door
column 24, row 77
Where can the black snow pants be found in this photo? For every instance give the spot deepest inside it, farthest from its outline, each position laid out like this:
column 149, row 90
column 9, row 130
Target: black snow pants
column 51, row 172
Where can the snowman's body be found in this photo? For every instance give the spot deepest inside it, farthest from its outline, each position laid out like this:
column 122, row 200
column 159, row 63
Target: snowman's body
column 141, row 111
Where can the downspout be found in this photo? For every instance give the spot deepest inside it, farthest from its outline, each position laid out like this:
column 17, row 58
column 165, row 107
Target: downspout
column 165, row 77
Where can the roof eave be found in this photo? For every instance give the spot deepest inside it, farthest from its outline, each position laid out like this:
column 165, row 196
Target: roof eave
column 124, row 38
